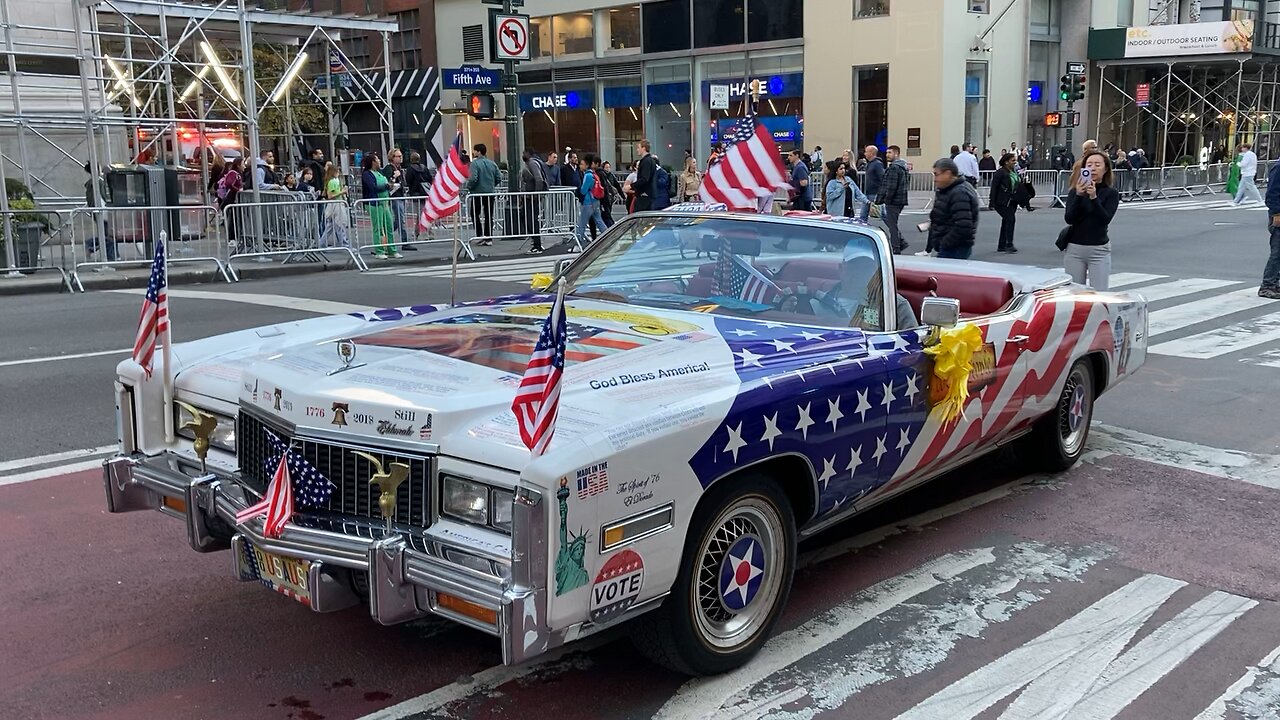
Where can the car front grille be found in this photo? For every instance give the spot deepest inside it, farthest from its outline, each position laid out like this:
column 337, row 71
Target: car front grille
column 352, row 496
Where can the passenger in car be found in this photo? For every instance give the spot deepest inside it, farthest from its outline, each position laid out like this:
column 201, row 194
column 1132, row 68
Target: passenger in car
column 856, row 297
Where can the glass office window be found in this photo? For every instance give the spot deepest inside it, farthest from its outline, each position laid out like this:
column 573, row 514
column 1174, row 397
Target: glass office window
column 666, row 25
column 871, row 107
column 622, row 117
column 781, row 107
column 572, row 34
column 1045, row 16
column 576, row 117
column 621, row 27
column 975, row 103
column 870, row 8
column 669, row 124
column 718, row 22
column 538, row 119
column 774, row 20
column 540, row 37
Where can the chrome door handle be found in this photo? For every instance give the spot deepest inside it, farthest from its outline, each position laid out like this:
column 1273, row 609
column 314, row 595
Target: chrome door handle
column 1020, row 339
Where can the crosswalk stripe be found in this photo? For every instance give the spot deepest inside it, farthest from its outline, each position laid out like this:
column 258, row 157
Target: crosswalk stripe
column 1120, row 682
column 1187, row 314
column 1269, row 666
column 704, row 695
column 1120, row 280
column 1097, row 633
column 1177, row 288
column 1222, row 341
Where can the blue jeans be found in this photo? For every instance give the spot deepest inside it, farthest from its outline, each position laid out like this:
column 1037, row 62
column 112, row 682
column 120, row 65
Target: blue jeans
column 590, row 211
column 1271, row 273
column 960, row 253
column 397, row 208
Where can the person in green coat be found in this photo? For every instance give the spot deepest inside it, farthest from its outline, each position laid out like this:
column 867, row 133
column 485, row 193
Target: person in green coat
column 1233, row 176
column 376, row 185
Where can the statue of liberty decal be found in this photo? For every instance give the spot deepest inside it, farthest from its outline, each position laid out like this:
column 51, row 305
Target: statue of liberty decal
column 571, row 574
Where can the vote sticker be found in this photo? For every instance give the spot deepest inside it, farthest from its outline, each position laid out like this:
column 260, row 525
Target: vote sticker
column 617, row 586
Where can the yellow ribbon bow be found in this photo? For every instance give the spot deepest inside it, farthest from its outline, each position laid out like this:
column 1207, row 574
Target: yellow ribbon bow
column 952, row 364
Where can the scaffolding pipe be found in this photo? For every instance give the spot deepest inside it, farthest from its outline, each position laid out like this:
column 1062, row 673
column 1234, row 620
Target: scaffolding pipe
column 1168, row 99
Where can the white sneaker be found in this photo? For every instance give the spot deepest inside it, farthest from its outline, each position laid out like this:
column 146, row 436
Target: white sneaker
column 923, row 253
column 397, row 255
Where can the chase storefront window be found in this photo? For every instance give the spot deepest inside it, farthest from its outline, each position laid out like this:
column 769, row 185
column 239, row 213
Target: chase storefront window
column 572, row 34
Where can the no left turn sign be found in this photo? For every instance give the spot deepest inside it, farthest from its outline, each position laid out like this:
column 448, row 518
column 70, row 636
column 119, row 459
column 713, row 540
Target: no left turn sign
column 510, row 37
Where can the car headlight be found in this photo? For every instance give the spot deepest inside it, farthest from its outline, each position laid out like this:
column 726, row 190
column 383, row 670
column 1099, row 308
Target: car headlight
column 477, row 503
column 501, row 508
column 466, row 500
column 223, row 436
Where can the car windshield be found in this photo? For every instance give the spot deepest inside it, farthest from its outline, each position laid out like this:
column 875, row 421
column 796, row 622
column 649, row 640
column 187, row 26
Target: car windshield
column 745, row 266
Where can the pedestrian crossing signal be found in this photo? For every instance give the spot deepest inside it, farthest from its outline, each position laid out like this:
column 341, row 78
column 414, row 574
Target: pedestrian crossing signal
column 480, row 106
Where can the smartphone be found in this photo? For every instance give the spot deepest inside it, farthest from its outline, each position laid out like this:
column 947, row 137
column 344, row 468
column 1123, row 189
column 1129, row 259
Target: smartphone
column 1086, row 175
column 923, row 227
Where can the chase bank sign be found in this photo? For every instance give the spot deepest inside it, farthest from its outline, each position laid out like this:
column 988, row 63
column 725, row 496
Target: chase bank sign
column 570, row 100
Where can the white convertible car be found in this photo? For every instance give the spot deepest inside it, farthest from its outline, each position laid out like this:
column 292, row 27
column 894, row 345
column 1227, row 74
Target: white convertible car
column 732, row 384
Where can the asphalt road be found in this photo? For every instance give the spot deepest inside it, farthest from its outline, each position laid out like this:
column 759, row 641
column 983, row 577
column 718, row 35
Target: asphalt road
column 1144, row 581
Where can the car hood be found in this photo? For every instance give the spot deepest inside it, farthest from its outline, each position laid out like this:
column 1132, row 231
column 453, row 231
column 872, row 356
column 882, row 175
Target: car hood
column 449, row 376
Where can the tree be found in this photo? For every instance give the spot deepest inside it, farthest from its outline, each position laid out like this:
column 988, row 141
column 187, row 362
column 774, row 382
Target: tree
column 269, row 65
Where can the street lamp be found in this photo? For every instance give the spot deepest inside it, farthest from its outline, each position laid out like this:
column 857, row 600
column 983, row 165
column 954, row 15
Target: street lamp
column 227, row 85
column 294, row 68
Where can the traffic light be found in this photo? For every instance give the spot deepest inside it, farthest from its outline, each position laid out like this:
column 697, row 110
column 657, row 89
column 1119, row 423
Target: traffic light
column 1078, row 86
column 480, row 105
column 1064, row 88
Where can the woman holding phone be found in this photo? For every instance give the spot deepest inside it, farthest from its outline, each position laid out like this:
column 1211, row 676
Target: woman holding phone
column 1091, row 204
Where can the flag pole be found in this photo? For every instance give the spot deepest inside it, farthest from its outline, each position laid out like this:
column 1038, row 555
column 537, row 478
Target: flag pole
column 453, row 273
column 168, row 356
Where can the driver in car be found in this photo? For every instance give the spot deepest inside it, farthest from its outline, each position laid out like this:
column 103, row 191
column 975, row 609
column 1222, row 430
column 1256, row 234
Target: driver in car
column 856, row 297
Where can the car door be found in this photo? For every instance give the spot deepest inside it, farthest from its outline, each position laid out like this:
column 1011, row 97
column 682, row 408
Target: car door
column 916, row 444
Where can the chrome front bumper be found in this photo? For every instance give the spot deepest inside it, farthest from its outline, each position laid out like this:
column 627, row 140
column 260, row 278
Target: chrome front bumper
column 404, row 583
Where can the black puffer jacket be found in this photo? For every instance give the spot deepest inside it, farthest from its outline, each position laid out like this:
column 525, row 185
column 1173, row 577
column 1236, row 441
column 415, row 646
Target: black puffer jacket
column 1089, row 218
column 953, row 221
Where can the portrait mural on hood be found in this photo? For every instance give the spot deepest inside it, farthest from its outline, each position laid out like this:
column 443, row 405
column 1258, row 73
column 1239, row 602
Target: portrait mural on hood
column 503, row 342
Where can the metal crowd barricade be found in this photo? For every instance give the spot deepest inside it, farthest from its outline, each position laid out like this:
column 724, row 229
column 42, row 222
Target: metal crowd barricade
column 116, row 237
column 37, row 234
column 405, row 229
column 285, row 224
column 1197, row 179
column 521, row 215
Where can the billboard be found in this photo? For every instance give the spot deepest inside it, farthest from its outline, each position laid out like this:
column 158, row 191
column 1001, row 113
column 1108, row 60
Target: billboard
column 1209, row 38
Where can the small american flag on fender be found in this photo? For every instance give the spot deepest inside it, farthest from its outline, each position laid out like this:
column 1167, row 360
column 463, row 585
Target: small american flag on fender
column 537, row 402
column 153, row 324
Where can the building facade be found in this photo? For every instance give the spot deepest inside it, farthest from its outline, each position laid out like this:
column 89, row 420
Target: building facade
column 921, row 74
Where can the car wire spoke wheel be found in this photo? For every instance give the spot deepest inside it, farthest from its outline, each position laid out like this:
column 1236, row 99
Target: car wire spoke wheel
column 739, row 573
column 1075, row 410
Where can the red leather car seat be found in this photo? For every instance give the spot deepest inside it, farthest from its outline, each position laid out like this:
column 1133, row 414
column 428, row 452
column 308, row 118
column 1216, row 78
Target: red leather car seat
column 978, row 294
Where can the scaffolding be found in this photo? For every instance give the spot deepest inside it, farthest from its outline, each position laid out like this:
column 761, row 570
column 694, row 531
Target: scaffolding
column 1190, row 105
column 162, row 64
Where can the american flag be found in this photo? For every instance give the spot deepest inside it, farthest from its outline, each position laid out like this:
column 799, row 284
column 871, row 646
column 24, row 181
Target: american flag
column 153, row 325
column 313, row 489
column 277, row 505
column 442, row 200
column 750, row 169
column 593, row 480
column 538, row 398
column 735, row 277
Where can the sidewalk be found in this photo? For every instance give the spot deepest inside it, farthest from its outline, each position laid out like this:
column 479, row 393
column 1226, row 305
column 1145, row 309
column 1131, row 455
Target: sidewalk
column 50, row 281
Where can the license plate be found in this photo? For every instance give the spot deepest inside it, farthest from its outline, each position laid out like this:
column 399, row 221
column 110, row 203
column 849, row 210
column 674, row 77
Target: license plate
column 287, row 576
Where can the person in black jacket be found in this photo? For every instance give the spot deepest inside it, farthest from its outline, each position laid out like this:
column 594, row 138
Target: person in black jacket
column 1091, row 203
column 892, row 194
column 953, row 221
column 646, row 177
column 1005, row 186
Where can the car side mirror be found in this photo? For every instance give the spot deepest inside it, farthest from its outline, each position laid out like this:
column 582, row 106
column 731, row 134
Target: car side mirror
column 940, row 312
